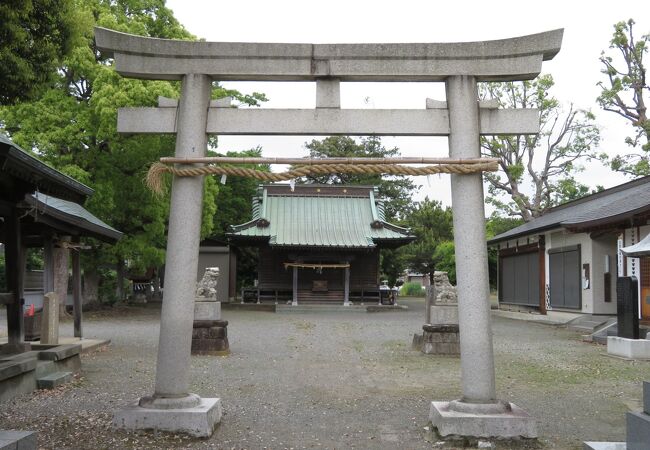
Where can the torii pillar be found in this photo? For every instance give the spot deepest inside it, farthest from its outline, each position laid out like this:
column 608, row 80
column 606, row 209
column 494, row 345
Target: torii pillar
column 172, row 407
column 462, row 118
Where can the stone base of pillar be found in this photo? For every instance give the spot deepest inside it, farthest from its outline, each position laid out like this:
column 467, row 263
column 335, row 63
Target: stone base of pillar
column 210, row 337
column 476, row 420
column 198, row 421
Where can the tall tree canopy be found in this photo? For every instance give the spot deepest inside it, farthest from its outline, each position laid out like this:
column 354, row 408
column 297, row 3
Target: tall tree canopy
column 34, row 37
column 625, row 92
column 73, row 127
column 433, row 226
column 395, row 190
column 537, row 172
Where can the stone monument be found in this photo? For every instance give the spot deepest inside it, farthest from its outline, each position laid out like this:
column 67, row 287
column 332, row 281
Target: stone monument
column 209, row 333
column 461, row 117
column 440, row 332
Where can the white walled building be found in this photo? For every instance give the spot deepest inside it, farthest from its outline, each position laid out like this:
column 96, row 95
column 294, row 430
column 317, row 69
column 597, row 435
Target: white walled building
column 568, row 259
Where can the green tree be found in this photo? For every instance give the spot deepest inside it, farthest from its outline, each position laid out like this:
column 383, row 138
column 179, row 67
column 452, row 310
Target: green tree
column 72, row 126
column 234, row 202
column 535, row 168
column 432, row 225
column 395, row 190
column 445, row 255
column 625, row 93
column 34, row 37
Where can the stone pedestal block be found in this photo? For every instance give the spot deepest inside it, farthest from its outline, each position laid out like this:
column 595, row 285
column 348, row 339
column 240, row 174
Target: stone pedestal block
column 199, row 420
column 206, row 309
column 444, row 314
column 440, row 340
column 509, row 422
column 50, row 319
column 210, row 337
column 628, row 348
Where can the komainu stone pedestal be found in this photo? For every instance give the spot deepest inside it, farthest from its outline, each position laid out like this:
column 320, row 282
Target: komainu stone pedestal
column 210, row 337
column 199, row 420
column 440, row 340
column 499, row 420
column 209, row 332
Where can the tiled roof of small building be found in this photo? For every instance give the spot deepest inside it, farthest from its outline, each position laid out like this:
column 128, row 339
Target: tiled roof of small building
column 73, row 214
column 319, row 216
column 609, row 206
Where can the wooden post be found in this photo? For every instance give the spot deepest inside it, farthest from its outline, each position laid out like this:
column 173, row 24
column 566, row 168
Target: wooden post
column 346, row 292
column 295, row 286
column 14, row 255
column 48, row 264
column 232, row 276
column 76, row 291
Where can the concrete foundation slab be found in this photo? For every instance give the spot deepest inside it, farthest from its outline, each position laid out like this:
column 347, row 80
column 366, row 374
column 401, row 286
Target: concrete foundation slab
column 199, row 421
column 515, row 423
column 605, row 446
column 628, row 348
column 18, row 440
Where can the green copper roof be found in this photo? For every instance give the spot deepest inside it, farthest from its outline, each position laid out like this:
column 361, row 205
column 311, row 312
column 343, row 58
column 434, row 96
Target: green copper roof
column 319, row 216
column 73, row 214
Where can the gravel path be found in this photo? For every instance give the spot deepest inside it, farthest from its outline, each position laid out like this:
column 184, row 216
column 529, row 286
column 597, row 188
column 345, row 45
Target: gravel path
column 331, row 380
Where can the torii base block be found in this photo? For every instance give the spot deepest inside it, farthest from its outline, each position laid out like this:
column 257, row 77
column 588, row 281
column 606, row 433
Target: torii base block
column 509, row 422
column 199, row 421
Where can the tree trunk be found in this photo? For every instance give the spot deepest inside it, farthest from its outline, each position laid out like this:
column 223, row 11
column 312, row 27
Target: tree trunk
column 119, row 291
column 91, row 287
column 61, row 260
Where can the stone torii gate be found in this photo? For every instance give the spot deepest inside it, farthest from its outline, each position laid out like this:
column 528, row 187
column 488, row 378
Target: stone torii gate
column 462, row 117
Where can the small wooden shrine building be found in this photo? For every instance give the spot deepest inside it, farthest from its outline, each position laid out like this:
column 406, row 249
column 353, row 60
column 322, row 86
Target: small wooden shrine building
column 40, row 207
column 318, row 243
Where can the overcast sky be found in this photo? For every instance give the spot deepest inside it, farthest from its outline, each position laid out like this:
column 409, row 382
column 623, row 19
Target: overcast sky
column 576, row 69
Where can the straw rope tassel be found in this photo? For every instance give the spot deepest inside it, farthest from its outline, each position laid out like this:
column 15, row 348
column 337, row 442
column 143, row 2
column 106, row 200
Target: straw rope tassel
column 154, row 178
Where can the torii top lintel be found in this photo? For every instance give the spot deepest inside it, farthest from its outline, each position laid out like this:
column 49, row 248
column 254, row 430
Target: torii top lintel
column 518, row 58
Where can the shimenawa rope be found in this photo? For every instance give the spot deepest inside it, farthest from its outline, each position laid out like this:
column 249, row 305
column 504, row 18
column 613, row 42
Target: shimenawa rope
column 154, row 178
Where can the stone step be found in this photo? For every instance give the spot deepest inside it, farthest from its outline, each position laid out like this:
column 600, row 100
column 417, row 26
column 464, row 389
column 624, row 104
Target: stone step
column 319, row 308
column 53, row 380
column 18, row 440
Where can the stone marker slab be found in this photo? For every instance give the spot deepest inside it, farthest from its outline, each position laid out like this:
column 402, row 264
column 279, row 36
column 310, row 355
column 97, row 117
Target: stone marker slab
column 50, row 319
column 638, row 431
column 512, row 424
column 199, row 421
column 646, row 397
column 18, row 440
column 627, row 307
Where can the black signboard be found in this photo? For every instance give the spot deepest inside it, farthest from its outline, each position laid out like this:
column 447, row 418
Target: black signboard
column 627, row 307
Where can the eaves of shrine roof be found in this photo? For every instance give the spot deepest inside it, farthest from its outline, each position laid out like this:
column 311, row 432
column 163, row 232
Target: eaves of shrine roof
column 614, row 207
column 18, row 163
column 70, row 214
column 319, row 216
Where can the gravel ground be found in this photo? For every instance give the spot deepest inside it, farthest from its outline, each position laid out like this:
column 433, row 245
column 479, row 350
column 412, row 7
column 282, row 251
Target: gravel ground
column 331, row 380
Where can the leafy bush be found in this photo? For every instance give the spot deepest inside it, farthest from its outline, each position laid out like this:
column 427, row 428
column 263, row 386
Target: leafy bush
column 411, row 289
